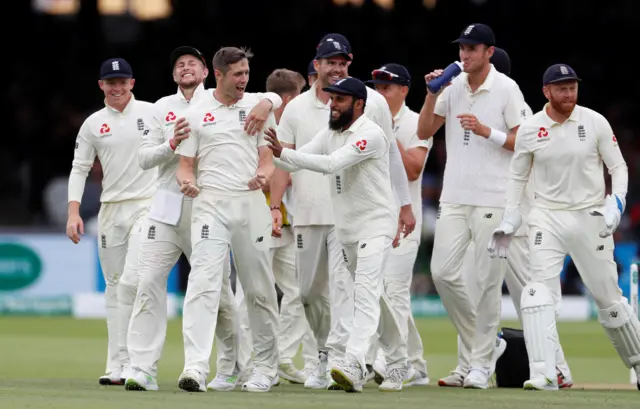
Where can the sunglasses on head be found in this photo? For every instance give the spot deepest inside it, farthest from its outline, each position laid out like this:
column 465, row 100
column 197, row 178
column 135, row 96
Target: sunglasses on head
column 384, row 75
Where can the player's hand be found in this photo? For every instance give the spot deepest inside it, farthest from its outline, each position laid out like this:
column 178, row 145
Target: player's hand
column 75, row 227
column 471, row 123
column 396, row 240
column 612, row 213
column 407, row 220
column 257, row 117
column 502, row 236
column 432, row 76
column 188, row 188
column 276, row 217
column 274, row 144
column 257, row 181
column 180, row 131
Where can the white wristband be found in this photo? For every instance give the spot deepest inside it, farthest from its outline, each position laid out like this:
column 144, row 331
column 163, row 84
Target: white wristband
column 497, row 137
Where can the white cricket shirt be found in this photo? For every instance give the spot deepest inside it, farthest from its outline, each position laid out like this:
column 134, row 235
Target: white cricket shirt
column 227, row 155
column 405, row 129
column 358, row 162
column 476, row 172
column 566, row 160
column 115, row 138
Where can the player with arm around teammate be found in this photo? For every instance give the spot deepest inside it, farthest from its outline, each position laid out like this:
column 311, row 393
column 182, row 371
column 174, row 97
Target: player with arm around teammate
column 113, row 134
column 355, row 149
column 393, row 82
column 229, row 210
column 481, row 113
column 564, row 147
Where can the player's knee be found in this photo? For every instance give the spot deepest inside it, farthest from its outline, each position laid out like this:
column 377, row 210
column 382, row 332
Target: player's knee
column 615, row 313
column 535, row 295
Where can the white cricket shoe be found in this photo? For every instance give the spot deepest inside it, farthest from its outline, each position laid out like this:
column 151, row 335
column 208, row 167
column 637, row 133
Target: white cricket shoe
column 541, row 383
column 349, row 375
column 333, row 386
column 416, row 377
column 192, row 381
column 309, row 368
column 291, row 373
column 127, row 372
column 455, row 380
column 141, row 381
column 112, row 378
column 477, row 379
column 258, row 383
column 379, row 371
column 318, row 379
column 394, row 380
column 275, row 381
column 223, row 383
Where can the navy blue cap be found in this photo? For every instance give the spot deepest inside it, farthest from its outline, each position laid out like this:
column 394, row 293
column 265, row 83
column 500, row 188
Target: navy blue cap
column 115, row 68
column 311, row 70
column 500, row 59
column 477, row 34
column 186, row 50
column 336, row 37
column 390, row 74
column 330, row 49
column 349, row 86
column 559, row 73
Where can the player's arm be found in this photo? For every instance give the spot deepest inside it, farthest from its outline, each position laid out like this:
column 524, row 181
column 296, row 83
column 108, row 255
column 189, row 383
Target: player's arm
column 264, row 170
column 516, row 111
column 83, row 158
column 255, row 122
column 414, row 156
column 154, row 150
column 368, row 146
column 285, row 133
column 185, row 174
column 432, row 114
column 520, row 169
column 616, row 165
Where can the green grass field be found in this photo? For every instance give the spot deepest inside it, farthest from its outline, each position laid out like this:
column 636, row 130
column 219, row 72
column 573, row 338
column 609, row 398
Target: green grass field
column 55, row 363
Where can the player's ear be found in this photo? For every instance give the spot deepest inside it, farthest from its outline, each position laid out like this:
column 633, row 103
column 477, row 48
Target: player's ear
column 206, row 73
column 545, row 91
column 491, row 50
column 132, row 82
column 101, row 84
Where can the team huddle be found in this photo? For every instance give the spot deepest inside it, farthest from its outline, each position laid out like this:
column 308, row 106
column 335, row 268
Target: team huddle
column 319, row 193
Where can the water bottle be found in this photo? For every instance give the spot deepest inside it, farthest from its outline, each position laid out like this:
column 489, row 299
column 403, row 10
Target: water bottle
column 449, row 73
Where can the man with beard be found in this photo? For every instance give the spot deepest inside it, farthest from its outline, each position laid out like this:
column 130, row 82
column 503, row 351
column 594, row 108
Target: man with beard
column 113, row 134
column 319, row 259
column 517, row 274
column 355, row 150
column 167, row 232
column 229, row 209
column 564, row 147
column 482, row 109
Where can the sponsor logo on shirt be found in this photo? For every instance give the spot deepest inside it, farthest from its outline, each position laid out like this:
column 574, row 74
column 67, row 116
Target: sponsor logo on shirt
column 208, row 119
column 615, row 140
column 170, row 118
column 105, row 130
column 361, row 145
column 543, row 135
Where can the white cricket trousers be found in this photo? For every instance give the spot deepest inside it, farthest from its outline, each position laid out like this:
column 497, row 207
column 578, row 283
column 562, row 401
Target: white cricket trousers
column 293, row 327
column 243, row 221
column 326, row 287
column 119, row 227
column 397, row 276
column 372, row 311
column 160, row 248
column 476, row 323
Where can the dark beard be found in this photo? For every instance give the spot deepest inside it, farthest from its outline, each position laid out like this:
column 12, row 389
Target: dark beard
column 343, row 120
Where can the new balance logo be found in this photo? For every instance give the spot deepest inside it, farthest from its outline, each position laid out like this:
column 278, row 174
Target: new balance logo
column 613, row 314
column 466, row 137
column 538, row 240
column 338, row 185
column 532, row 292
column 363, row 245
column 103, row 241
column 488, row 215
column 259, row 239
column 581, row 133
column 204, row 233
column 151, row 234
column 600, row 247
column 140, row 124
column 299, row 241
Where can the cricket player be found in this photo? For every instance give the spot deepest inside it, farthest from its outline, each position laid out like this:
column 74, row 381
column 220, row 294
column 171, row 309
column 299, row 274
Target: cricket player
column 167, row 231
column 113, row 134
column 482, row 109
column 293, row 326
column 312, row 74
column 356, row 150
column 564, row 147
column 517, row 265
column 229, row 209
column 393, row 81
column 319, row 253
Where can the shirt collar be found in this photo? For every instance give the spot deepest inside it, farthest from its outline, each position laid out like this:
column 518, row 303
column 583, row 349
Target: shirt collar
column 488, row 82
column 313, row 90
column 198, row 93
column 356, row 125
column 403, row 110
column 217, row 104
column 574, row 117
column 125, row 110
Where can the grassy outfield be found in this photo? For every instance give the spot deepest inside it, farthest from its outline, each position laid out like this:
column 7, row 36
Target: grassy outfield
column 56, row 362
